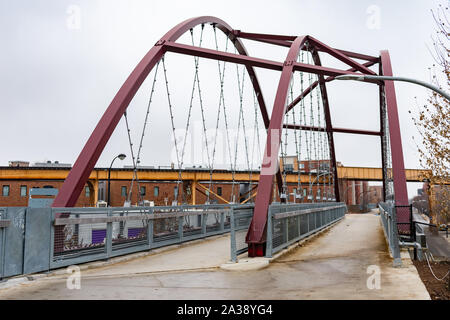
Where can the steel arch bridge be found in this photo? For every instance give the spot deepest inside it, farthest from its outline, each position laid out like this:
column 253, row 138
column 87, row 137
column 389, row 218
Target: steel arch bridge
column 389, row 133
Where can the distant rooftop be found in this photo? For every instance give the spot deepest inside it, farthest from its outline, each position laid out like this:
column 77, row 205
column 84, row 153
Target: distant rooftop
column 50, row 164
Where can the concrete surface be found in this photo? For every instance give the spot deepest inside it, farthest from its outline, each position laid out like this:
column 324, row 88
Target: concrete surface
column 333, row 265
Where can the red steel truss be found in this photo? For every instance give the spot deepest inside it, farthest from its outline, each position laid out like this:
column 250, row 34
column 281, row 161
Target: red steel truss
column 88, row 157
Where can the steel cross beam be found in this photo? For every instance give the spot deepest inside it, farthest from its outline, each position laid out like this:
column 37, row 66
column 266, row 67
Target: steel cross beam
column 314, row 85
column 286, row 41
column 251, row 61
column 333, row 129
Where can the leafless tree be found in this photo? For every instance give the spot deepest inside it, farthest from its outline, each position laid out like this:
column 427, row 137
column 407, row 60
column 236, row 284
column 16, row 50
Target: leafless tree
column 433, row 120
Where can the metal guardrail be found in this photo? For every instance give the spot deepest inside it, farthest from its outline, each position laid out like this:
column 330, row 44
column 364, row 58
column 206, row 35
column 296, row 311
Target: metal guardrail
column 40, row 239
column 390, row 228
column 81, row 235
column 241, row 217
column 288, row 223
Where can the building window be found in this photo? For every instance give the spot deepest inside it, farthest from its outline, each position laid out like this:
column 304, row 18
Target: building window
column 143, row 191
column 23, row 191
column 124, row 191
column 175, row 192
column 302, row 166
column 48, row 187
column 219, row 191
column 304, row 192
column 87, row 192
column 289, row 167
column 156, row 191
column 5, row 191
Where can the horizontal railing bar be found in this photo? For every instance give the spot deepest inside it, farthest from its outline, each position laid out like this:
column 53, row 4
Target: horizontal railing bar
column 282, row 215
column 68, row 221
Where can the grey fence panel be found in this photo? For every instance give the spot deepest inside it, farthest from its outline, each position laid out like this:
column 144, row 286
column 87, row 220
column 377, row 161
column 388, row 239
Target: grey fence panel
column 288, row 224
column 4, row 223
column 13, row 245
column 91, row 234
column 37, row 241
column 240, row 219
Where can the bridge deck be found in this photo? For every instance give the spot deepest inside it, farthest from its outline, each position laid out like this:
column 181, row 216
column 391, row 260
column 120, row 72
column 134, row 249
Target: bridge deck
column 330, row 266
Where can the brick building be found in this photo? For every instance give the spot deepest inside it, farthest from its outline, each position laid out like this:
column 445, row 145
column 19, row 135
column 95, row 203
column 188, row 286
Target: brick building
column 159, row 186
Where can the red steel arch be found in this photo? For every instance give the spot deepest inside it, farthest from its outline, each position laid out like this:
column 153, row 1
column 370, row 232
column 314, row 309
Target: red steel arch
column 73, row 185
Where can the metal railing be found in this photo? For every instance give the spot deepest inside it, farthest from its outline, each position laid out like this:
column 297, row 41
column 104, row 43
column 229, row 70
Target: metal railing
column 241, row 216
column 289, row 223
column 81, row 235
column 40, row 239
column 390, row 228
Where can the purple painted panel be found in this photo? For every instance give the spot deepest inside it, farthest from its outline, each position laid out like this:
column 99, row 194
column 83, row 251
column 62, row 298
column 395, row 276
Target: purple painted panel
column 134, row 232
column 98, row 235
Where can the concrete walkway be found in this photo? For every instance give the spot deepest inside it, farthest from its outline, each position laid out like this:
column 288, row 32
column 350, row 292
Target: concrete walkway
column 333, row 265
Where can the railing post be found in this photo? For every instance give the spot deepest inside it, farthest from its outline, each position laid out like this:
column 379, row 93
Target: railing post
column 108, row 243
column 232, row 236
column 2, row 249
column 204, row 218
column 180, row 228
column 298, row 225
column 269, row 234
column 222, row 221
column 52, row 237
column 150, row 230
column 307, row 218
column 286, row 229
column 315, row 220
column 396, row 246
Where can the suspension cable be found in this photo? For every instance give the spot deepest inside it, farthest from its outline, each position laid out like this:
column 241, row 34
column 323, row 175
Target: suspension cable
column 221, row 101
column 134, row 163
column 240, row 90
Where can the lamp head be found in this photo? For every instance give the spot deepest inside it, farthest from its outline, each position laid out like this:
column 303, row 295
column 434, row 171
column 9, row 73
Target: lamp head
column 122, row 156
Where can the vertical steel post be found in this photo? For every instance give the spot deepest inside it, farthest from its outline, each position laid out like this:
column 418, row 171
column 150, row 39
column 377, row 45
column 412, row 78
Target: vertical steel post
column 52, row 237
column 383, row 135
column 180, row 228
column 269, row 242
column 233, row 236
column 398, row 167
column 150, row 230
column 108, row 243
column 222, row 221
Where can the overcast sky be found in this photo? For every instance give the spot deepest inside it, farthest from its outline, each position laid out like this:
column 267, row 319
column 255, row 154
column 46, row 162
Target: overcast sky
column 61, row 63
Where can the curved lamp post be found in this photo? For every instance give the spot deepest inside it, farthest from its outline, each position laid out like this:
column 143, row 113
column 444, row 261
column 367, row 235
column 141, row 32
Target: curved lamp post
column 121, row 157
column 370, row 77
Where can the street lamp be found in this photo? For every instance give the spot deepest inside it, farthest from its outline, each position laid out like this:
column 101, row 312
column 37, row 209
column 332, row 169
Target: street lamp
column 121, row 157
column 370, row 77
